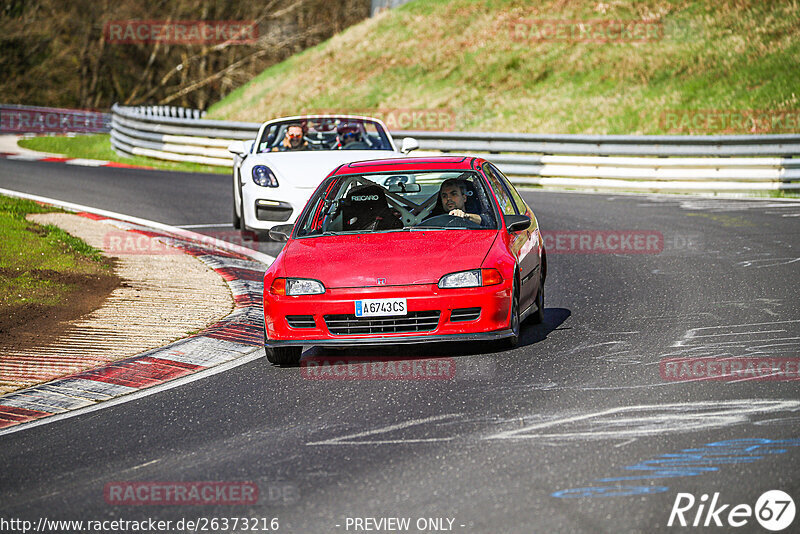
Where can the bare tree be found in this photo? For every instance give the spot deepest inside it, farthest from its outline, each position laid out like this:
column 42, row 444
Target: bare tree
column 54, row 52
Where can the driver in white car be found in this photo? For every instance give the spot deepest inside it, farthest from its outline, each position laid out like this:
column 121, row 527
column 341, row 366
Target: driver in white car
column 454, row 199
column 294, row 140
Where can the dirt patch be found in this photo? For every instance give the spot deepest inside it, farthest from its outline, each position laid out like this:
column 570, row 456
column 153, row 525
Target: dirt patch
column 25, row 326
column 161, row 295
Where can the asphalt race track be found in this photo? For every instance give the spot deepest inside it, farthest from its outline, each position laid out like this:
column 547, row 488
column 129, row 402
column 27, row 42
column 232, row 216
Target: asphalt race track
column 580, row 429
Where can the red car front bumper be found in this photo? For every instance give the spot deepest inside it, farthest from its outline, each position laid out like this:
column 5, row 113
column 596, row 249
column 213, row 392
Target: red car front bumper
column 434, row 314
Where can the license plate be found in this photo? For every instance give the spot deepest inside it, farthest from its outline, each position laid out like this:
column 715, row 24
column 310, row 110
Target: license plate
column 380, row 307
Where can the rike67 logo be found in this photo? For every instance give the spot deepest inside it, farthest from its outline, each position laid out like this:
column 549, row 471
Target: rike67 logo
column 774, row 511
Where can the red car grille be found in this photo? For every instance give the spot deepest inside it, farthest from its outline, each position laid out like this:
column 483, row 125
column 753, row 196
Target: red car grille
column 421, row 321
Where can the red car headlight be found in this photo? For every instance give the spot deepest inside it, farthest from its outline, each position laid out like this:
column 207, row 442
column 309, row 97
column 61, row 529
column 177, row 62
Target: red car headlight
column 473, row 278
column 293, row 287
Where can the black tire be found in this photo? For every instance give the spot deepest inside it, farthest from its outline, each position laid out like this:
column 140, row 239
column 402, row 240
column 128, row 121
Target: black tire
column 514, row 324
column 538, row 316
column 289, row 356
column 237, row 221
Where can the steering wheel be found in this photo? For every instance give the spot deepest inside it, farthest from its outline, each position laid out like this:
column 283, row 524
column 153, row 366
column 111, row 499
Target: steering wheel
column 448, row 221
column 314, row 144
column 358, row 145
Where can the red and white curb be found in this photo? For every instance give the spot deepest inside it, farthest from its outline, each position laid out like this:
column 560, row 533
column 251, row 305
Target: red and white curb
column 69, row 161
column 234, row 340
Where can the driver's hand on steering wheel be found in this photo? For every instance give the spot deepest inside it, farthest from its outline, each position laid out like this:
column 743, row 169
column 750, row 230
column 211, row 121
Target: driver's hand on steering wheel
column 458, row 213
column 471, row 216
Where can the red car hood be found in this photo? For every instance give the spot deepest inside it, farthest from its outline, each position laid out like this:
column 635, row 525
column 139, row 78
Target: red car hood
column 401, row 258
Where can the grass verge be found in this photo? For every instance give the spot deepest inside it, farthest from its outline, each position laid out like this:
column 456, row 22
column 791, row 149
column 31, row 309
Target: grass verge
column 99, row 147
column 41, row 267
column 491, row 65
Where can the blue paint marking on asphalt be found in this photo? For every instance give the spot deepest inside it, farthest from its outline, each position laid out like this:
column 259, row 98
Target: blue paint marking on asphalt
column 609, row 491
column 687, row 463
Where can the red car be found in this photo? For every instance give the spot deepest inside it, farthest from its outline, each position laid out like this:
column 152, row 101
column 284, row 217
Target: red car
column 405, row 251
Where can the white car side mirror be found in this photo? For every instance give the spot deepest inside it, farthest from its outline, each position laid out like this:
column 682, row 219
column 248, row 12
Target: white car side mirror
column 238, row 148
column 409, row 144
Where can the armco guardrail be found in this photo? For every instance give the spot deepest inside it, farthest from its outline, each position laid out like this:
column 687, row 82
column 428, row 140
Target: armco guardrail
column 16, row 119
column 164, row 134
column 647, row 163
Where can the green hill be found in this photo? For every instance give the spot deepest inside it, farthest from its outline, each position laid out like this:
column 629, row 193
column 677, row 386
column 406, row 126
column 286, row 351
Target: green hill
column 495, row 65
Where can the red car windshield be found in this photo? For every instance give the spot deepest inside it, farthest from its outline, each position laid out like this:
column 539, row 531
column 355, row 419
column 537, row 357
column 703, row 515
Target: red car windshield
column 385, row 202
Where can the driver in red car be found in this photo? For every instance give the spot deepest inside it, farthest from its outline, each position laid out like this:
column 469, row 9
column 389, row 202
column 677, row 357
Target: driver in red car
column 454, row 199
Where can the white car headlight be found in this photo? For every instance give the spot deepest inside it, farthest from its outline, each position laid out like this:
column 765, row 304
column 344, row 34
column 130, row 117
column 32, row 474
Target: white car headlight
column 263, row 176
column 461, row 279
column 303, row 286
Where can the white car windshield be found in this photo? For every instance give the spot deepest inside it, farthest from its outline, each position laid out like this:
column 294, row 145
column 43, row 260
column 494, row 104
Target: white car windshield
column 400, row 201
column 323, row 133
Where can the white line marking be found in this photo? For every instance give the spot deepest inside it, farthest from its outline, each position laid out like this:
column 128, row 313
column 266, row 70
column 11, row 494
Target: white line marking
column 554, row 422
column 622, row 423
column 193, row 236
column 678, row 417
column 743, row 333
column 721, row 343
column 87, row 162
column 256, row 353
column 134, row 468
column 691, row 333
column 26, row 157
column 638, row 386
column 213, row 225
column 387, row 441
column 615, row 333
column 746, row 324
column 780, row 261
column 413, row 422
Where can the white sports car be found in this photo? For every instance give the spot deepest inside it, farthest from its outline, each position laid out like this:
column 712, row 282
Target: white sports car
column 274, row 175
